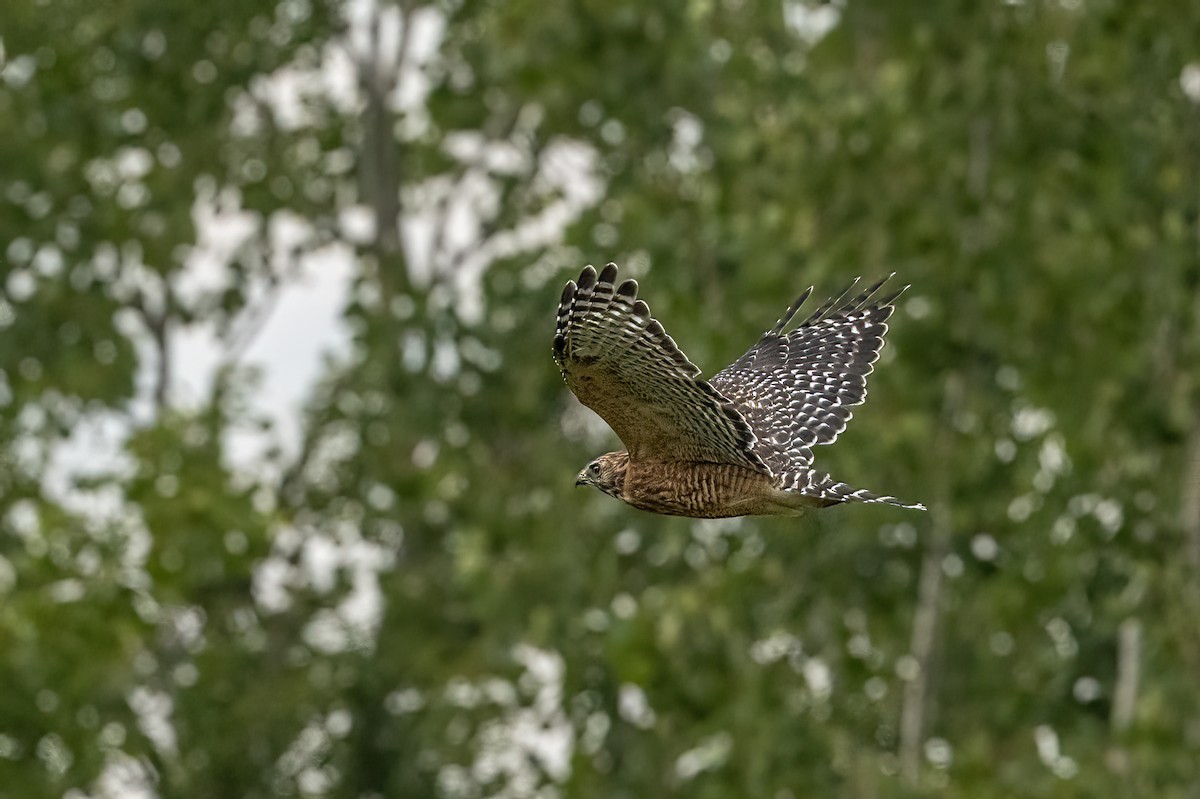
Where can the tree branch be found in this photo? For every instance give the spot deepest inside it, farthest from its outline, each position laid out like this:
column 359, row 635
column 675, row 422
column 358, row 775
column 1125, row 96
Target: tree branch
column 157, row 324
column 1129, row 661
column 1189, row 505
column 929, row 600
column 921, row 646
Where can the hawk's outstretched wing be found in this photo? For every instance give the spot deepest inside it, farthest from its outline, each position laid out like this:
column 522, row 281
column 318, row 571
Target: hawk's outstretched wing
column 622, row 364
column 796, row 389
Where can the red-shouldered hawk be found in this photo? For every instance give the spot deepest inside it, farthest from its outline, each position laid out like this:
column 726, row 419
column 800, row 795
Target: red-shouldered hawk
column 740, row 443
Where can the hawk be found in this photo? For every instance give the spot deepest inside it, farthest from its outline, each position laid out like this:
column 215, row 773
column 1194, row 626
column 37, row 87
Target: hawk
column 739, row 443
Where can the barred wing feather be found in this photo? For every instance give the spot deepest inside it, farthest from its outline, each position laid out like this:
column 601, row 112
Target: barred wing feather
column 620, row 362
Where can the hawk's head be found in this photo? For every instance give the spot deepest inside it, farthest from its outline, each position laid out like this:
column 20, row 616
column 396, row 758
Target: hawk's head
column 606, row 473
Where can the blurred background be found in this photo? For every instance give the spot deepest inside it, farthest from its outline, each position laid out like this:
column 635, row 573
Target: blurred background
column 286, row 468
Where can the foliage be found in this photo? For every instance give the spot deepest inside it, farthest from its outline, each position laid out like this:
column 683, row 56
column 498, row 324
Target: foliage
column 408, row 598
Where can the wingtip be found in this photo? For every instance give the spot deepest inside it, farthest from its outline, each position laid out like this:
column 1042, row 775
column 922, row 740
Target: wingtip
column 841, row 300
column 587, row 278
column 895, row 295
column 790, row 313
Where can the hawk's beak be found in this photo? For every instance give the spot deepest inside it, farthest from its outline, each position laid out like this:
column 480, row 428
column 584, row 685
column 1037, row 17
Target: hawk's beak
column 580, row 480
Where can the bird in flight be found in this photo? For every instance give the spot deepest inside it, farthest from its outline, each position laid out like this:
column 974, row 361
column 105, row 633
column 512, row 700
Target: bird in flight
column 739, row 443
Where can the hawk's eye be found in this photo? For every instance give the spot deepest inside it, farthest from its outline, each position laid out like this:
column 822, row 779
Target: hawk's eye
column 594, row 469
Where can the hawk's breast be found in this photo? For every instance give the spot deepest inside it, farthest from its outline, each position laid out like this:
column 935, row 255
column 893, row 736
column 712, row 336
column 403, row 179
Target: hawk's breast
column 697, row 489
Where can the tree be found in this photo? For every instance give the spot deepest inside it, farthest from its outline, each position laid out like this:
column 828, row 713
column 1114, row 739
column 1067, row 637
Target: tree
column 407, row 598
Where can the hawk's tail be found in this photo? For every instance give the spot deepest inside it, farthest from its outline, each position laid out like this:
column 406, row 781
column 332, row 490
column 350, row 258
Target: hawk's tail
column 833, row 492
